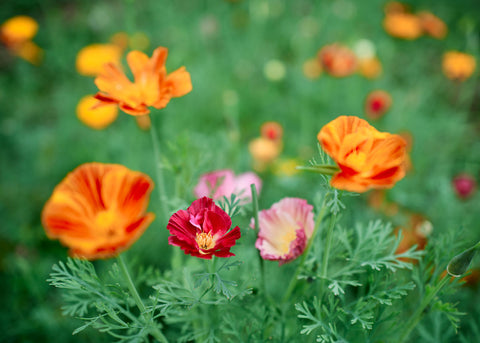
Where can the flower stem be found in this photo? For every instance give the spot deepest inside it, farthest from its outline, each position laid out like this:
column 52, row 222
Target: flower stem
column 159, row 171
column 328, row 244
column 138, row 301
column 293, row 281
column 417, row 316
column 257, row 229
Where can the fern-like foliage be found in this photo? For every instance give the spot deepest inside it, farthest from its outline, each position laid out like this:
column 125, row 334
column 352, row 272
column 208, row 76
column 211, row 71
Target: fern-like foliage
column 102, row 306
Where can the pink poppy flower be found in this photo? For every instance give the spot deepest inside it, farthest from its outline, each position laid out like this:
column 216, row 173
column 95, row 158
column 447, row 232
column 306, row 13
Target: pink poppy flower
column 285, row 229
column 203, row 230
column 220, row 183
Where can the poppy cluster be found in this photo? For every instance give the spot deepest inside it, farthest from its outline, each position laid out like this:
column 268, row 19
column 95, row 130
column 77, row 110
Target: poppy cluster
column 17, row 33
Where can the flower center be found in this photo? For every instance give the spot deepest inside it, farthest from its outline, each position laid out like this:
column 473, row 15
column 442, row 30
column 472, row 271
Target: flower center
column 106, row 222
column 285, row 240
column 205, row 241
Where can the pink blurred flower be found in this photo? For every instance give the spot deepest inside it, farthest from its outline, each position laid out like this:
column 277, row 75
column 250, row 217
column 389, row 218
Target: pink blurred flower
column 220, row 183
column 285, row 229
column 464, row 185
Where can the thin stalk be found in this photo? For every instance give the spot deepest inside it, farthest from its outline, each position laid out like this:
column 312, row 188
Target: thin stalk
column 138, row 301
column 293, row 281
column 159, row 171
column 417, row 316
column 257, row 228
column 328, row 244
column 321, row 169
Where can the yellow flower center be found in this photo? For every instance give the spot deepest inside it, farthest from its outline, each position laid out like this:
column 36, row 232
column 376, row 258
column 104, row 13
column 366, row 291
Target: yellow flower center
column 205, row 241
column 285, row 240
column 357, row 158
column 106, row 222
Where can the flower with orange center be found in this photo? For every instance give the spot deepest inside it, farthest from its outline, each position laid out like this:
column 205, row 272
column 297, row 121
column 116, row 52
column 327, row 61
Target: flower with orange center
column 432, row 25
column 96, row 117
column 98, row 210
column 92, row 58
column 403, row 25
column 458, row 66
column 366, row 157
column 152, row 85
column 377, row 103
column 203, row 230
column 16, row 33
column 337, row 60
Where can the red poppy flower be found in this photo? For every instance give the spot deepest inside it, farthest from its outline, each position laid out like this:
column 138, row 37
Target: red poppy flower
column 203, row 230
column 377, row 103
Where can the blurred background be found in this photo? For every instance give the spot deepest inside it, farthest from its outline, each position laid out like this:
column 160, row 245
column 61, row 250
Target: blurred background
column 251, row 62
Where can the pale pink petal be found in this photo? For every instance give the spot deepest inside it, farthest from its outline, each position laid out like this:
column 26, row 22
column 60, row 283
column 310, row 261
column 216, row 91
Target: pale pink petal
column 242, row 186
column 284, row 229
column 216, row 184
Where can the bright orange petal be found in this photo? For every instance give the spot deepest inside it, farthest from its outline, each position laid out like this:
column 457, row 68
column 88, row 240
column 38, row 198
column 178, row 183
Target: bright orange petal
column 179, row 81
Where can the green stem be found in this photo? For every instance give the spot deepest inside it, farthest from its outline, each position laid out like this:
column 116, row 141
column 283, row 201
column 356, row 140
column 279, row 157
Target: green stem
column 417, row 316
column 257, row 228
column 321, row 169
column 138, row 301
column 328, row 244
column 159, row 171
column 293, row 281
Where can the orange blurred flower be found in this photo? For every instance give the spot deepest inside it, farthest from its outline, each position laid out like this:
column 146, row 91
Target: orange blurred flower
column 152, row 85
column 432, row 25
column 366, row 157
column 458, row 65
column 337, row 60
column 371, row 68
column 92, row 58
column 395, row 7
column 403, row 25
column 377, row 103
column 18, row 30
column 93, row 116
column 416, row 232
column 264, row 150
column 271, row 130
column 98, row 210
column 16, row 33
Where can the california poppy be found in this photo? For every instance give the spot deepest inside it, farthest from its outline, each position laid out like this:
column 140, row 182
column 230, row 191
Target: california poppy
column 285, row 229
column 152, row 85
column 458, row 66
column 96, row 117
column 203, row 230
column 366, row 157
column 17, row 34
column 92, row 58
column 377, row 103
column 337, row 60
column 403, row 25
column 98, row 210
column 432, row 25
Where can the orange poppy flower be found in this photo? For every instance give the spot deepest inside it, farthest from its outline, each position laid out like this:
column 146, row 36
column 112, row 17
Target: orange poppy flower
column 377, row 103
column 432, row 25
column 338, row 60
column 152, row 85
column 403, row 25
column 98, row 210
column 92, row 58
column 96, row 117
column 458, row 65
column 16, row 33
column 366, row 157
column 272, row 130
